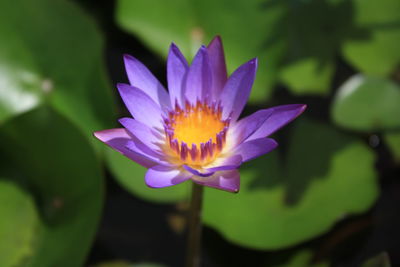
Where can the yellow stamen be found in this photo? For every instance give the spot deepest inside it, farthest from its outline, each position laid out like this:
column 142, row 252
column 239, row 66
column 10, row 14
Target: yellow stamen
column 196, row 134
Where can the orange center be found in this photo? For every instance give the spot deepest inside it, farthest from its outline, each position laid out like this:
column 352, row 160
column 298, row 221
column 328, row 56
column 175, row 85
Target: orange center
column 196, row 134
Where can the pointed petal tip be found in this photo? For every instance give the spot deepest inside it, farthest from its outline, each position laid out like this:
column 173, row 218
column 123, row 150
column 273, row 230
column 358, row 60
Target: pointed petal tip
column 203, row 50
column 101, row 135
column 129, row 57
column 108, row 134
column 173, row 47
column 235, row 190
column 123, row 88
column 254, row 61
column 299, row 108
column 250, row 66
column 217, row 40
column 274, row 142
column 123, row 120
column 96, row 134
column 122, row 85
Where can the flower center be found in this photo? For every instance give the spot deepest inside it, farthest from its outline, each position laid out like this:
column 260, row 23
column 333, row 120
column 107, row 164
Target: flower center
column 196, row 134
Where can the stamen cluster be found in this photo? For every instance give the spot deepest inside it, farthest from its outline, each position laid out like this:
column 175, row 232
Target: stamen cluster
column 196, row 133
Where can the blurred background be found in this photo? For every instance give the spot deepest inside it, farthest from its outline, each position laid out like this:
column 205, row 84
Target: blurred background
column 328, row 196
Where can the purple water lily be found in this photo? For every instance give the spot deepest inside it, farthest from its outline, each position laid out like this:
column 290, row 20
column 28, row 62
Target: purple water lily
column 194, row 132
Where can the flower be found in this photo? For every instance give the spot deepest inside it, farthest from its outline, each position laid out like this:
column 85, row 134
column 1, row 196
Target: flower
column 194, row 132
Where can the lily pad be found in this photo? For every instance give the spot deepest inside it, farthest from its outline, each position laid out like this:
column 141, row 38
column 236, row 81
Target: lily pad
column 192, row 23
column 308, row 77
column 282, row 203
column 52, row 158
column 380, row 260
column 301, row 258
column 51, row 52
column 314, row 32
column 377, row 51
column 18, row 225
column 131, row 177
column 367, row 103
column 393, row 141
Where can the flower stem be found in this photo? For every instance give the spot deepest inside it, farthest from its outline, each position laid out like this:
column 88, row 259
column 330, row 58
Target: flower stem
column 194, row 234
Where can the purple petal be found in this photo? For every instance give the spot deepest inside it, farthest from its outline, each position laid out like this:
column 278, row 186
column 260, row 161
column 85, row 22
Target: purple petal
column 140, row 148
column 224, row 180
column 198, row 82
column 177, row 68
column 118, row 139
column 143, row 133
column 218, row 66
column 204, row 173
column 224, row 164
column 221, row 164
column 140, row 77
column 252, row 149
column 140, row 105
column 237, row 90
column 163, row 176
column 281, row 115
column 241, row 130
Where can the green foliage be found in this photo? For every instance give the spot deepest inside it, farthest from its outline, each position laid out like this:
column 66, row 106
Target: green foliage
column 307, row 76
column 51, row 53
column 296, row 41
column 39, row 150
column 380, row 260
column 282, row 203
column 302, row 258
column 131, row 176
column 367, row 103
column 376, row 50
column 191, row 23
column 19, row 224
column 393, row 141
column 54, row 93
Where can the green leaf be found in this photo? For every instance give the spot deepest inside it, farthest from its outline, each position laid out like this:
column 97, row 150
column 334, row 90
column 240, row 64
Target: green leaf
column 52, row 52
column 380, row 260
column 367, row 103
column 393, row 141
column 308, row 77
column 50, row 156
column 284, row 203
column 376, row 51
column 131, row 177
column 314, row 32
column 18, row 225
column 301, row 258
column 244, row 27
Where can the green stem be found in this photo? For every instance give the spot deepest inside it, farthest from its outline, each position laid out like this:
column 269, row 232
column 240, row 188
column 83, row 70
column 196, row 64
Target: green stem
column 194, row 234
